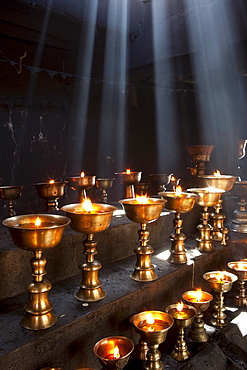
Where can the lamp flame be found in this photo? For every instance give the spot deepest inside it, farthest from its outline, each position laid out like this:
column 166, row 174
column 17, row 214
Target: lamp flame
column 217, row 173
column 82, row 174
column 178, row 191
column 173, row 178
column 142, row 199
column 149, row 318
column 87, row 205
column 51, row 181
column 113, row 350
column 179, row 306
column 37, row 222
column 128, row 171
column 116, row 353
column 198, row 295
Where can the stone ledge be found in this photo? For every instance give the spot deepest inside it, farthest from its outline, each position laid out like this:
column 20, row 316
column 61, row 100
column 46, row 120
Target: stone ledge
column 69, row 343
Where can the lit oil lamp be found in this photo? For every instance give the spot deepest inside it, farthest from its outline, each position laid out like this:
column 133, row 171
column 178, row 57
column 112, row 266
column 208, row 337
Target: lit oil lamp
column 10, row 193
column 158, row 182
column 173, row 183
column 200, row 300
column 239, row 220
column 152, row 327
column 143, row 210
column 37, row 233
column 129, row 179
column 200, row 154
column 221, row 282
column 89, row 218
column 81, row 183
column 240, row 269
column 178, row 202
column 50, row 191
column 183, row 316
column 219, row 181
column 113, row 352
column 208, row 197
column 104, row 184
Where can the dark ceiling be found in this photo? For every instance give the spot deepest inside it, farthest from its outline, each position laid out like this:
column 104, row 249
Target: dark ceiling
column 63, row 26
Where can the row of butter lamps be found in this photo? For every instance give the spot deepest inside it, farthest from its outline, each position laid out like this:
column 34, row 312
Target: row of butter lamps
column 40, row 232
column 152, row 326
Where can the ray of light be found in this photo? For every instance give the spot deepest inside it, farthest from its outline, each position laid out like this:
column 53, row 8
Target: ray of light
column 212, row 39
column 166, row 119
column 84, row 68
column 111, row 145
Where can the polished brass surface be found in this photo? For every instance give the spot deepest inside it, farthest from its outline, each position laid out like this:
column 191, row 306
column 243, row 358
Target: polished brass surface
column 181, row 352
column 152, row 338
column 159, row 181
column 199, row 155
column 239, row 220
column 82, row 184
column 179, row 204
column 208, row 197
column 240, row 269
column 103, row 348
column 10, row 193
column 141, row 188
column 37, row 239
column 226, row 183
column 220, row 287
column 103, row 185
column 89, row 224
column 197, row 332
column 143, row 214
column 50, row 192
column 129, row 180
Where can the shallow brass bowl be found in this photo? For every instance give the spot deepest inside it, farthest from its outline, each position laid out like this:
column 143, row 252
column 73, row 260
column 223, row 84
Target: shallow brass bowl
column 183, row 203
column 50, row 191
column 11, row 192
column 36, row 239
column 142, row 213
column 208, row 197
column 129, row 178
column 89, row 223
column 224, row 182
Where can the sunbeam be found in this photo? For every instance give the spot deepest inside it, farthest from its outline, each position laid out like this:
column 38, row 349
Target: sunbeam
column 111, row 138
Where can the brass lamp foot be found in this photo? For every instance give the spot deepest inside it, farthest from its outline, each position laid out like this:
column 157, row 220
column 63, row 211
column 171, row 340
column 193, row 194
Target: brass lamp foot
column 144, row 269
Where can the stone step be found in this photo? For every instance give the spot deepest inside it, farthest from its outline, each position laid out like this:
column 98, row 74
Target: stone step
column 69, row 343
column 114, row 244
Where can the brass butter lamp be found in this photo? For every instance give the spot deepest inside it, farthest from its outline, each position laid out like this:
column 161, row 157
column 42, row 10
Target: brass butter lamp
column 220, row 282
column 50, row 191
column 143, row 210
column 129, row 179
column 178, row 202
column 81, row 183
column 226, row 183
column 103, row 184
column 159, row 181
column 37, row 233
column 113, row 352
column 10, row 193
column 239, row 219
column 183, row 316
column 200, row 154
column 200, row 300
column 208, row 197
column 89, row 218
column 239, row 268
column 152, row 326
